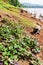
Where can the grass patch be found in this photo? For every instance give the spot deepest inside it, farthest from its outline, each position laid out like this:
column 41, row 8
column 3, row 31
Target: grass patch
column 15, row 10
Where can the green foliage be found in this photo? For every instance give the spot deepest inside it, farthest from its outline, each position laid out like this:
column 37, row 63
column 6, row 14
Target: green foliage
column 13, row 46
column 14, row 2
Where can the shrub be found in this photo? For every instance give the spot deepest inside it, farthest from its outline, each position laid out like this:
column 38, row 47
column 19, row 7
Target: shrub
column 14, row 47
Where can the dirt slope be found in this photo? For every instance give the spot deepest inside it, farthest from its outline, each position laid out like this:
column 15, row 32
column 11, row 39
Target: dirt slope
column 28, row 30
column 39, row 37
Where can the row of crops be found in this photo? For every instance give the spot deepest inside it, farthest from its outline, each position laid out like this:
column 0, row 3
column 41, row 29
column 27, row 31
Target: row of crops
column 15, row 45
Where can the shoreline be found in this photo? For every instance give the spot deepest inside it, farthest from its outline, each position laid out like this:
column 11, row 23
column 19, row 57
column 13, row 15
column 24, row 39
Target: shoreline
column 34, row 14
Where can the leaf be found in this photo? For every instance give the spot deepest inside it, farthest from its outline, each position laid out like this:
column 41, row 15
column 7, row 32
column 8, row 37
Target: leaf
column 5, row 62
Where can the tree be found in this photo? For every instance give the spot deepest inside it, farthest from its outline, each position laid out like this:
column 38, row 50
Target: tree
column 14, row 2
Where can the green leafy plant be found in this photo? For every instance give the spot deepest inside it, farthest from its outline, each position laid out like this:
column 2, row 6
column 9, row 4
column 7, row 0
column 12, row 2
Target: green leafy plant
column 14, row 47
